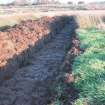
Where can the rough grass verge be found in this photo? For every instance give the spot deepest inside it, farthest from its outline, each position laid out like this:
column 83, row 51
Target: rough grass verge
column 89, row 68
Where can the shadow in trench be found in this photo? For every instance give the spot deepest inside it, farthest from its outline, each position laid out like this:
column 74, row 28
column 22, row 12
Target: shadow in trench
column 55, row 25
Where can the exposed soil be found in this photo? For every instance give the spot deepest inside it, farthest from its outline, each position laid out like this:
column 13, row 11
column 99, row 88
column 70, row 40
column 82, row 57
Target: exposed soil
column 34, row 75
column 16, row 39
column 18, row 43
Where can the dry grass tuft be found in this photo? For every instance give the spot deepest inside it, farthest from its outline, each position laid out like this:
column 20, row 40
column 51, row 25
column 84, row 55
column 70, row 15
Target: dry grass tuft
column 10, row 20
column 89, row 20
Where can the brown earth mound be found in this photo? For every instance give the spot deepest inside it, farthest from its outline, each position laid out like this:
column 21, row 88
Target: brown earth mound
column 17, row 42
column 18, row 38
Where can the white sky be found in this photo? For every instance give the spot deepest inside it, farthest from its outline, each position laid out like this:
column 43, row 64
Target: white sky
column 63, row 1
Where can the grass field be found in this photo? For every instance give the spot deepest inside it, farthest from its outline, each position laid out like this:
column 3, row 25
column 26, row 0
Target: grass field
column 12, row 16
column 89, row 68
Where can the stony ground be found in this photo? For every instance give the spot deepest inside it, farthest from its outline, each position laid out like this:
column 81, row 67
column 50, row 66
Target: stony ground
column 30, row 84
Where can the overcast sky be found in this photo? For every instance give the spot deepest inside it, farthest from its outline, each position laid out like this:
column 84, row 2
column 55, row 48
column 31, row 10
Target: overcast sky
column 64, row 1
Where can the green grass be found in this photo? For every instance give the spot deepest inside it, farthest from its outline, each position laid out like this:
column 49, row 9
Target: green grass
column 89, row 68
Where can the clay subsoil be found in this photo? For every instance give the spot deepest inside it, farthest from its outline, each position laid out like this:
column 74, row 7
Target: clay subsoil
column 31, row 54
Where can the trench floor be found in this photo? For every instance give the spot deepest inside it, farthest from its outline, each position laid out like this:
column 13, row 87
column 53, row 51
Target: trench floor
column 29, row 85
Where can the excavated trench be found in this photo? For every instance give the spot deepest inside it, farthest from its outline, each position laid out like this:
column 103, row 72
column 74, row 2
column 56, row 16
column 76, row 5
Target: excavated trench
column 31, row 57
